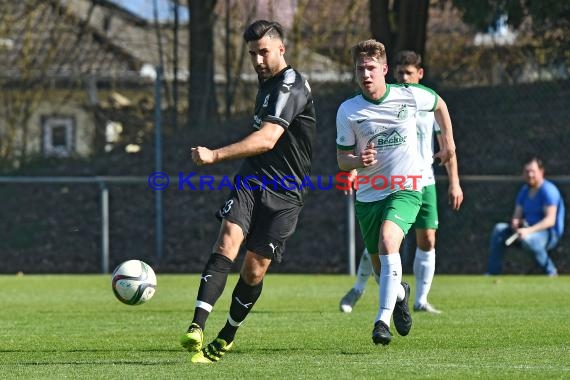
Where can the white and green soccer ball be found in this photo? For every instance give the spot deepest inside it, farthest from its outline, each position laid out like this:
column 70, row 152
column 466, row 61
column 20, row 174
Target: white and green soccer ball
column 133, row 282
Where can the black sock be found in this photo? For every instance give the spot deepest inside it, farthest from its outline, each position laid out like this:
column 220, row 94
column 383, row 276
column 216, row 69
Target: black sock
column 212, row 285
column 244, row 297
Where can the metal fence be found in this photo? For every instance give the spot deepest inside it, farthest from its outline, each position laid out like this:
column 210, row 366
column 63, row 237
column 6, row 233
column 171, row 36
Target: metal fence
column 90, row 224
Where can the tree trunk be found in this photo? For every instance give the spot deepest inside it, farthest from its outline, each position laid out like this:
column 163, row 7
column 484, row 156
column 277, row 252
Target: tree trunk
column 413, row 17
column 202, row 104
column 380, row 23
column 402, row 27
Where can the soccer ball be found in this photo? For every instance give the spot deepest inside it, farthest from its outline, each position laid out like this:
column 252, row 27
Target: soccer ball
column 134, row 282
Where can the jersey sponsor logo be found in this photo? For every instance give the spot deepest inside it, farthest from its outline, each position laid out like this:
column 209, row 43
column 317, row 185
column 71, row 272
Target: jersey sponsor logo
column 387, row 140
column 266, row 101
column 374, row 131
column 360, row 121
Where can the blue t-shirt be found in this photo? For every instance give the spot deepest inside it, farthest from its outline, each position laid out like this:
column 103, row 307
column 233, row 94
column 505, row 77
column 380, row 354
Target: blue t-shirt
column 533, row 208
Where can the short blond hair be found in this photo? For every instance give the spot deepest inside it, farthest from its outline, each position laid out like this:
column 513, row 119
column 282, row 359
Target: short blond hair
column 369, row 48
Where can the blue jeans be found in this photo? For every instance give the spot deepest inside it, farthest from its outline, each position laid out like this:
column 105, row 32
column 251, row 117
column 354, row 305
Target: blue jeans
column 536, row 244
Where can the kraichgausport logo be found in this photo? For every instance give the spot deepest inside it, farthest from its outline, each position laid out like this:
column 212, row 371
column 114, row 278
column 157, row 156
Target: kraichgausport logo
column 341, row 181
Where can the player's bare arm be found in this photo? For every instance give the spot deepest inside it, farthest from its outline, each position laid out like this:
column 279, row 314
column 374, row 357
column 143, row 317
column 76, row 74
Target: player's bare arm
column 255, row 143
column 447, row 148
column 454, row 191
column 349, row 160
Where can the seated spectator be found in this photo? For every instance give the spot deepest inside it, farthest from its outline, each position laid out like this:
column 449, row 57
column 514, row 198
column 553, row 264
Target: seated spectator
column 537, row 223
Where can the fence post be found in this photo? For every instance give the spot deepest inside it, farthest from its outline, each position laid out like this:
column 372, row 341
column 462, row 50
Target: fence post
column 158, row 164
column 350, row 234
column 104, row 228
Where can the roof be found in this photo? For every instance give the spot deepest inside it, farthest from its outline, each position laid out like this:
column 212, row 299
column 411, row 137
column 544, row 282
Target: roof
column 135, row 35
column 69, row 38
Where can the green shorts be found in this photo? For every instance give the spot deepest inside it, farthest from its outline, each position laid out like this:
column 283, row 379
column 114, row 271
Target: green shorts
column 400, row 207
column 427, row 216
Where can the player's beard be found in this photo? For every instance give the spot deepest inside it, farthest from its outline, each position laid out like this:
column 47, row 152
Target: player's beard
column 267, row 70
column 263, row 72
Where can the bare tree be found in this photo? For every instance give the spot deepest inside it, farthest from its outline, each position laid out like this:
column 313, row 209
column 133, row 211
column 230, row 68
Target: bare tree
column 202, row 104
column 318, row 36
column 176, row 11
column 234, row 48
column 327, row 31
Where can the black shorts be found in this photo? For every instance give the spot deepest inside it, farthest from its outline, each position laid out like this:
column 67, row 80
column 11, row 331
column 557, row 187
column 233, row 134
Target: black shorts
column 266, row 220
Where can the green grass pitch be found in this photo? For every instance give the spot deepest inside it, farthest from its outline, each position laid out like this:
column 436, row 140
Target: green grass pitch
column 71, row 326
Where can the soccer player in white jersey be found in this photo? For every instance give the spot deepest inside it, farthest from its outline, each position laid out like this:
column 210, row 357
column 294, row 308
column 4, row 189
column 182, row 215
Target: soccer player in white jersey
column 409, row 70
column 376, row 134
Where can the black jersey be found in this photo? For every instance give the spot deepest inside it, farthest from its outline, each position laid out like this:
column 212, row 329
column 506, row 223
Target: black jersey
column 284, row 99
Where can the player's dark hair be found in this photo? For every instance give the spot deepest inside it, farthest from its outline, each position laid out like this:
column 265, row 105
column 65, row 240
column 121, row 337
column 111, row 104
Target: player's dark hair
column 368, row 48
column 409, row 57
column 262, row 28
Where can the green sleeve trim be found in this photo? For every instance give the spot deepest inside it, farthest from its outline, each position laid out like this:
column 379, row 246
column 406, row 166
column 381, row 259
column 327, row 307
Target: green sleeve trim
column 344, row 147
column 434, row 103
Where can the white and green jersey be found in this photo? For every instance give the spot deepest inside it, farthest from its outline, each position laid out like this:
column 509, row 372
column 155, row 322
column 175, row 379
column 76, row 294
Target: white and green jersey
column 389, row 123
column 427, row 129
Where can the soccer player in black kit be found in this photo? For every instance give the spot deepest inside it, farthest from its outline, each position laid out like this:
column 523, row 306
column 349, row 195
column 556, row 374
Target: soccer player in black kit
column 267, row 196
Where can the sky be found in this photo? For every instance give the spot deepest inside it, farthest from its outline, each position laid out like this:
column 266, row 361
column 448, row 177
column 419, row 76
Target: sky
column 145, row 9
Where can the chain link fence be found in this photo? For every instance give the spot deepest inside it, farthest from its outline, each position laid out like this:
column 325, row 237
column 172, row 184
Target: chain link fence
column 56, row 228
